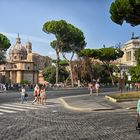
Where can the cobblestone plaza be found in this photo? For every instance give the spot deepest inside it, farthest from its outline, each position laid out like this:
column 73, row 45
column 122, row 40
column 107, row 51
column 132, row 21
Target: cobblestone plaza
column 57, row 123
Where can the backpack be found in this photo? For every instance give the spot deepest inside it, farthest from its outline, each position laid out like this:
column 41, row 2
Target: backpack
column 26, row 95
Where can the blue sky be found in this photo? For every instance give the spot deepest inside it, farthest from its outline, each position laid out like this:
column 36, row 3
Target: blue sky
column 27, row 17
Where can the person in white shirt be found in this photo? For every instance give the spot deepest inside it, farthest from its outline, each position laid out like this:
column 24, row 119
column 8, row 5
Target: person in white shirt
column 23, row 91
column 97, row 88
column 3, row 86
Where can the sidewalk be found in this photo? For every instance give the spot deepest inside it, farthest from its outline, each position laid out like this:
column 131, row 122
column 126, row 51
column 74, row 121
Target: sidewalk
column 94, row 103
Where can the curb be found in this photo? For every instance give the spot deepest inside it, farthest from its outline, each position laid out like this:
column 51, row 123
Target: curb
column 132, row 107
column 118, row 100
column 115, row 100
column 66, row 105
column 73, row 108
column 111, row 99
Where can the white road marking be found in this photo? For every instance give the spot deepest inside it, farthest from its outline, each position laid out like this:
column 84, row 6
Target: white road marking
column 13, row 108
column 33, row 105
column 54, row 111
column 21, row 106
column 7, row 111
column 51, row 105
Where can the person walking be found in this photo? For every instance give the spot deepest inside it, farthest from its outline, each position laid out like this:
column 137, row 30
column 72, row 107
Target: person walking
column 97, row 88
column 138, row 115
column 36, row 93
column 91, row 88
column 138, row 107
column 42, row 94
column 23, row 91
column 4, row 87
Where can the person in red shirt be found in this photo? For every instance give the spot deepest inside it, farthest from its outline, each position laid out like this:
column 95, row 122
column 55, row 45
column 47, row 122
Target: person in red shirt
column 91, row 88
column 36, row 93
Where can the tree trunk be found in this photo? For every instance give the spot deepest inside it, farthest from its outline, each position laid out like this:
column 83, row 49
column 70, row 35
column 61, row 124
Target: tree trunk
column 70, row 67
column 90, row 71
column 110, row 75
column 57, row 72
column 71, row 74
column 57, row 67
column 111, row 78
column 90, row 74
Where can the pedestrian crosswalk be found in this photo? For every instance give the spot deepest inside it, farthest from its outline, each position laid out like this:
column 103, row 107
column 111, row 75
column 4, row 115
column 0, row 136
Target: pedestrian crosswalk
column 16, row 107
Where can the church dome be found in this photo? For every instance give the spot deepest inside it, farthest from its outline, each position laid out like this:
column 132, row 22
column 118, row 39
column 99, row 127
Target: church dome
column 18, row 51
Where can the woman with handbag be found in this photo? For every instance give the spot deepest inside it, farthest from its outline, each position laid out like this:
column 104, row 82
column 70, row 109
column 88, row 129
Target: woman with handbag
column 36, row 94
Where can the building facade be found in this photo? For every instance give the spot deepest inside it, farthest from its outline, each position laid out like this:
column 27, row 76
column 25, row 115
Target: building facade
column 22, row 64
column 129, row 48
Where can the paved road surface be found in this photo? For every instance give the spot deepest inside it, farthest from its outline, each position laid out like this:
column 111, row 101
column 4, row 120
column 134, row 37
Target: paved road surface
column 54, row 122
column 57, row 123
column 56, row 93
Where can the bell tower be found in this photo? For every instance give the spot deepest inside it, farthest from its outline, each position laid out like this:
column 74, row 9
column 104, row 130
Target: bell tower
column 29, row 47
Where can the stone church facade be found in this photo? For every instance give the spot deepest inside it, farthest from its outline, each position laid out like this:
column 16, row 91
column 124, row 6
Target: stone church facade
column 23, row 64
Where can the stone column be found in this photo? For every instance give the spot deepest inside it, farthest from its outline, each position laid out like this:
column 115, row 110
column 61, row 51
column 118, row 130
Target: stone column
column 11, row 78
column 132, row 55
column 19, row 76
column 134, row 62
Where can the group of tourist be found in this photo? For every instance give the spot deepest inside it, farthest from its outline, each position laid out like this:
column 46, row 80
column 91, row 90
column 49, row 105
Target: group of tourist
column 93, row 87
column 39, row 94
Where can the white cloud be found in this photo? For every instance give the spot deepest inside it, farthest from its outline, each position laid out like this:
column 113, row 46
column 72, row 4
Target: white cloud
column 27, row 37
column 52, row 54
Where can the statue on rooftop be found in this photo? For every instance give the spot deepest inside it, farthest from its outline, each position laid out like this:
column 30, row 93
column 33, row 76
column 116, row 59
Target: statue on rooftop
column 134, row 37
